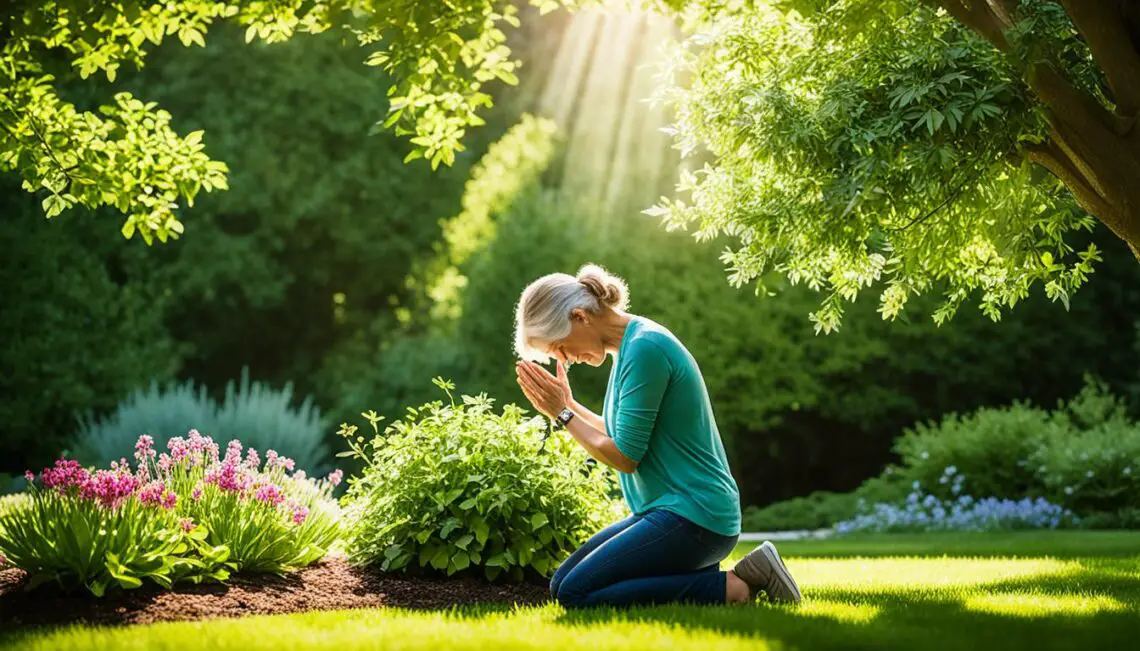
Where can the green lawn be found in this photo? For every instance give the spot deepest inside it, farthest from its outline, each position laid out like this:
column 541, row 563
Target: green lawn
column 970, row 592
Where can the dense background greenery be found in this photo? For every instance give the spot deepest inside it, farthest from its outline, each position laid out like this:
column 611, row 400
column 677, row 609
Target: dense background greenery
column 326, row 265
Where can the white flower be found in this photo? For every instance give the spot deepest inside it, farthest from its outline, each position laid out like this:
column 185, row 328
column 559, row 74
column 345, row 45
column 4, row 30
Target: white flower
column 1068, row 490
column 1089, row 474
column 1128, row 470
column 925, row 454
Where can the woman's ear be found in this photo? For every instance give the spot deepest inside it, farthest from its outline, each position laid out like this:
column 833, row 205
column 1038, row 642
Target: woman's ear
column 579, row 315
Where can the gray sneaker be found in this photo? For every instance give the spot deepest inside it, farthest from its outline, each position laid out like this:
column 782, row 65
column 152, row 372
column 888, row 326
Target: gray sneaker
column 764, row 571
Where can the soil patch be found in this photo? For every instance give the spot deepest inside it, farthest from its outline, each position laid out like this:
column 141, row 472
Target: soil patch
column 331, row 584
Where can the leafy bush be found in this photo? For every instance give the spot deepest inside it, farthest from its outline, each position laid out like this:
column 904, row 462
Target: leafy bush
column 989, row 446
column 262, row 416
column 456, row 486
column 822, row 509
column 78, row 339
column 1083, row 455
column 182, row 516
column 1092, row 471
column 923, row 511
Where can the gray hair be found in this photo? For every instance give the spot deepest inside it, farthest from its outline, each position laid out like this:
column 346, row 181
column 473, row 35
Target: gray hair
column 543, row 311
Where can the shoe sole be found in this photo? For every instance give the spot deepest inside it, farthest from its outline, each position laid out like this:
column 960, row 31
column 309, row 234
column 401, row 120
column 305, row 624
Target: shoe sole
column 769, row 550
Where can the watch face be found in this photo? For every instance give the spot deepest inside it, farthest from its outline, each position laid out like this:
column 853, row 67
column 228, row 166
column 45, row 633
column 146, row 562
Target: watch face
column 565, row 415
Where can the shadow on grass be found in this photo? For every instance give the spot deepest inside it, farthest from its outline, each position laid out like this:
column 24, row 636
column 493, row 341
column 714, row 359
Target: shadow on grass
column 1094, row 606
column 1011, row 544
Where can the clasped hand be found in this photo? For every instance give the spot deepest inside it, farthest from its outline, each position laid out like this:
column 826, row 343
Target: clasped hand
column 547, row 393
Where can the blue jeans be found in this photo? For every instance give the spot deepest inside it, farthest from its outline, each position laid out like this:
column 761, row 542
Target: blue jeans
column 657, row 557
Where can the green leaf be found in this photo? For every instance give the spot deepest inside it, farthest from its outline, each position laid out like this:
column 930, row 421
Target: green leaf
column 538, row 521
column 439, row 560
column 53, row 205
column 460, row 560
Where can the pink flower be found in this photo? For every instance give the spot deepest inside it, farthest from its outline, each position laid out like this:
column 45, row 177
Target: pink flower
column 30, row 476
column 226, row 477
column 65, row 474
column 252, row 461
column 179, row 448
column 144, row 449
column 152, row 493
column 335, row 476
column 165, row 462
column 169, row 500
column 233, row 453
column 287, row 463
column 199, row 444
column 187, row 525
column 270, row 494
column 197, row 493
column 300, row 475
column 109, row 488
column 300, row 512
column 270, row 459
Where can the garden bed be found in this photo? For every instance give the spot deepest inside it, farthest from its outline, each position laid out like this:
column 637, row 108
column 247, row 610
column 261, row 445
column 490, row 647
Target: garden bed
column 328, row 585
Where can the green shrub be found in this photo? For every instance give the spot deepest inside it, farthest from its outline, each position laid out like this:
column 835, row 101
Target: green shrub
column 1084, row 455
column 988, row 446
column 77, row 339
column 1092, row 471
column 455, row 486
column 822, row 509
column 258, row 414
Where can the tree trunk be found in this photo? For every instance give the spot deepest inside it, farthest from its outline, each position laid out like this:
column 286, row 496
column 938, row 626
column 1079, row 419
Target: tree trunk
column 1091, row 149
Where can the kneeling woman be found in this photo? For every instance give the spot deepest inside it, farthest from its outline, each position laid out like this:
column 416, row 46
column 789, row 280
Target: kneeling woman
column 657, row 429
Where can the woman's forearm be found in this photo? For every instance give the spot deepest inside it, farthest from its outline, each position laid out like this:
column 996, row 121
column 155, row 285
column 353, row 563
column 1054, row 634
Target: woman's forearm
column 599, row 446
column 590, row 417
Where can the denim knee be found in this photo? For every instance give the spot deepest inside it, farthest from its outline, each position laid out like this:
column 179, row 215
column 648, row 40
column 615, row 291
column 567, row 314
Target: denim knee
column 568, row 595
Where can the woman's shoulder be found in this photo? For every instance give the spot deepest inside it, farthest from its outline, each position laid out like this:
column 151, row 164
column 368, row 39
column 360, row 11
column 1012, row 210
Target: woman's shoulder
column 652, row 337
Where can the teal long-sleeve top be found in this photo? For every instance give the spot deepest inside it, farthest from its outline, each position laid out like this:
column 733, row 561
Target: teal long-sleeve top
column 658, row 412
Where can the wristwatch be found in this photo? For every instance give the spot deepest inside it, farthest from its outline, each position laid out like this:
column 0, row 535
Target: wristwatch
column 564, row 416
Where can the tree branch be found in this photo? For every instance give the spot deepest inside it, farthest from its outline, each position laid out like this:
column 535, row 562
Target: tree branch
column 1052, row 157
column 979, row 16
column 1101, row 22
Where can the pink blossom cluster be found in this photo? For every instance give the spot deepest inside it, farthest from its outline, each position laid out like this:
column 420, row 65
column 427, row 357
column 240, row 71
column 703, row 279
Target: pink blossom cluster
column 234, row 473
column 109, row 487
column 144, row 450
column 228, row 476
column 300, row 512
column 274, row 461
column 270, row 494
column 155, row 494
column 64, row 474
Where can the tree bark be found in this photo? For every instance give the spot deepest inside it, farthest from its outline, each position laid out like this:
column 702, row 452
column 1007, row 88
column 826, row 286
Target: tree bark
column 1093, row 150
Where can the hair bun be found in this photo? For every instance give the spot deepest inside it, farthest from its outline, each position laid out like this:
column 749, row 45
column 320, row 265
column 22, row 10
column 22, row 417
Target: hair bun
column 610, row 290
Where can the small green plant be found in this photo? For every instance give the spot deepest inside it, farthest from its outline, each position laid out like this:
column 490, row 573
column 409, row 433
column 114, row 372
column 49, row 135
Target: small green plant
column 455, row 486
column 98, row 529
column 263, row 417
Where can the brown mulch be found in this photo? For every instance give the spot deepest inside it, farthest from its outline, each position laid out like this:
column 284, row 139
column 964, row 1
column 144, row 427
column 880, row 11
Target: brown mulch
column 328, row 585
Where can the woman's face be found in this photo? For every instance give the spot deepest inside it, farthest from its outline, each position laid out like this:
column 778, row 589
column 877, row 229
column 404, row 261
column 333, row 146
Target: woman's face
column 582, row 346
